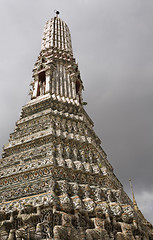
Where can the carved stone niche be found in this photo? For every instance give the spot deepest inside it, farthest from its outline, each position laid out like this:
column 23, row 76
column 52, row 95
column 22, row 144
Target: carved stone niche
column 52, row 187
column 124, row 227
column 76, row 189
column 111, row 196
column 99, row 195
column 79, row 165
column 101, row 222
column 116, row 209
column 77, row 203
column 104, row 206
column 88, row 201
column 118, row 195
column 128, row 210
column 64, row 187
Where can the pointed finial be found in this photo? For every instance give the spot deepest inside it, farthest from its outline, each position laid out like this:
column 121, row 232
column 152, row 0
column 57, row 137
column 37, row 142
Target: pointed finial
column 57, row 12
column 134, row 200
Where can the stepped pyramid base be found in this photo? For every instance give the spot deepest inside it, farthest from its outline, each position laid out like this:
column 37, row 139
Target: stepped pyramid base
column 72, row 216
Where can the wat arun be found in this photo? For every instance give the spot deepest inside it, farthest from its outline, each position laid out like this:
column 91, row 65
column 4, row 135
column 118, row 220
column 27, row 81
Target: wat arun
column 56, row 182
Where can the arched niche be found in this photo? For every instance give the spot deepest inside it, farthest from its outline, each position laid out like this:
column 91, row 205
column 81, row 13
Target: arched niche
column 41, row 83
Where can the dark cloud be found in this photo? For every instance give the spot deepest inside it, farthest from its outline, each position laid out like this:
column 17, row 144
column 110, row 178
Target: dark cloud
column 112, row 42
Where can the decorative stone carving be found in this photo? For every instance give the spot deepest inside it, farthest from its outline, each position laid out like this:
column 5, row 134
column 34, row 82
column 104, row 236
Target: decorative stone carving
column 125, row 229
column 99, row 232
column 104, row 206
column 128, row 210
column 29, row 219
column 67, row 231
column 82, row 154
column 64, row 186
column 118, row 196
column 110, row 196
column 67, row 152
column 88, row 201
column 79, row 165
column 77, row 203
column 99, row 195
column 70, row 163
column 115, row 209
column 87, row 191
column 76, row 189
column 5, row 226
column 52, row 195
column 75, row 154
column 90, row 155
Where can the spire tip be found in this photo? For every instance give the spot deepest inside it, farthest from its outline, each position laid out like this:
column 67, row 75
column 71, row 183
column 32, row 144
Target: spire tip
column 57, row 12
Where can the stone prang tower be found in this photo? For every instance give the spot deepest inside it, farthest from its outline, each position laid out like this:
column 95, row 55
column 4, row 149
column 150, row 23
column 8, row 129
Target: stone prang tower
column 55, row 180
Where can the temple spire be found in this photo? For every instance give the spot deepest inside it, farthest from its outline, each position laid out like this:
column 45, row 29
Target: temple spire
column 134, row 200
column 55, row 72
column 55, row 177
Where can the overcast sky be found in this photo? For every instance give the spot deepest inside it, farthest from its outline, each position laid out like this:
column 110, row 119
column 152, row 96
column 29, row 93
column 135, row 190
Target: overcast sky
column 113, row 44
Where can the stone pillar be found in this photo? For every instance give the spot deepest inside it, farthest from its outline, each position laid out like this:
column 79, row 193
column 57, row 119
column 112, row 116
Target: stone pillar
column 52, row 79
column 48, row 72
column 36, row 79
column 73, row 88
column 69, row 87
column 73, row 85
column 61, row 79
column 53, row 85
column 65, row 82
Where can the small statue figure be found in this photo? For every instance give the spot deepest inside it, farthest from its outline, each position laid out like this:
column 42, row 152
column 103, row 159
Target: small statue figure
column 99, row 232
column 69, row 126
column 67, row 231
column 75, row 127
column 115, row 209
column 59, row 151
column 90, row 156
column 80, row 220
column 29, row 219
column 111, row 197
column 5, row 226
column 76, row 189
column 42, row 86
column 77, row 203
column 88, row 201
column 138, row 232
column 52, row 199
column 51, row 153
column 82, row 154
column 118, row 196
column 87, row 191
column 99, row 195
column 67, row 152
column 39, row 231
column 75, row 154
column 125, row 228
